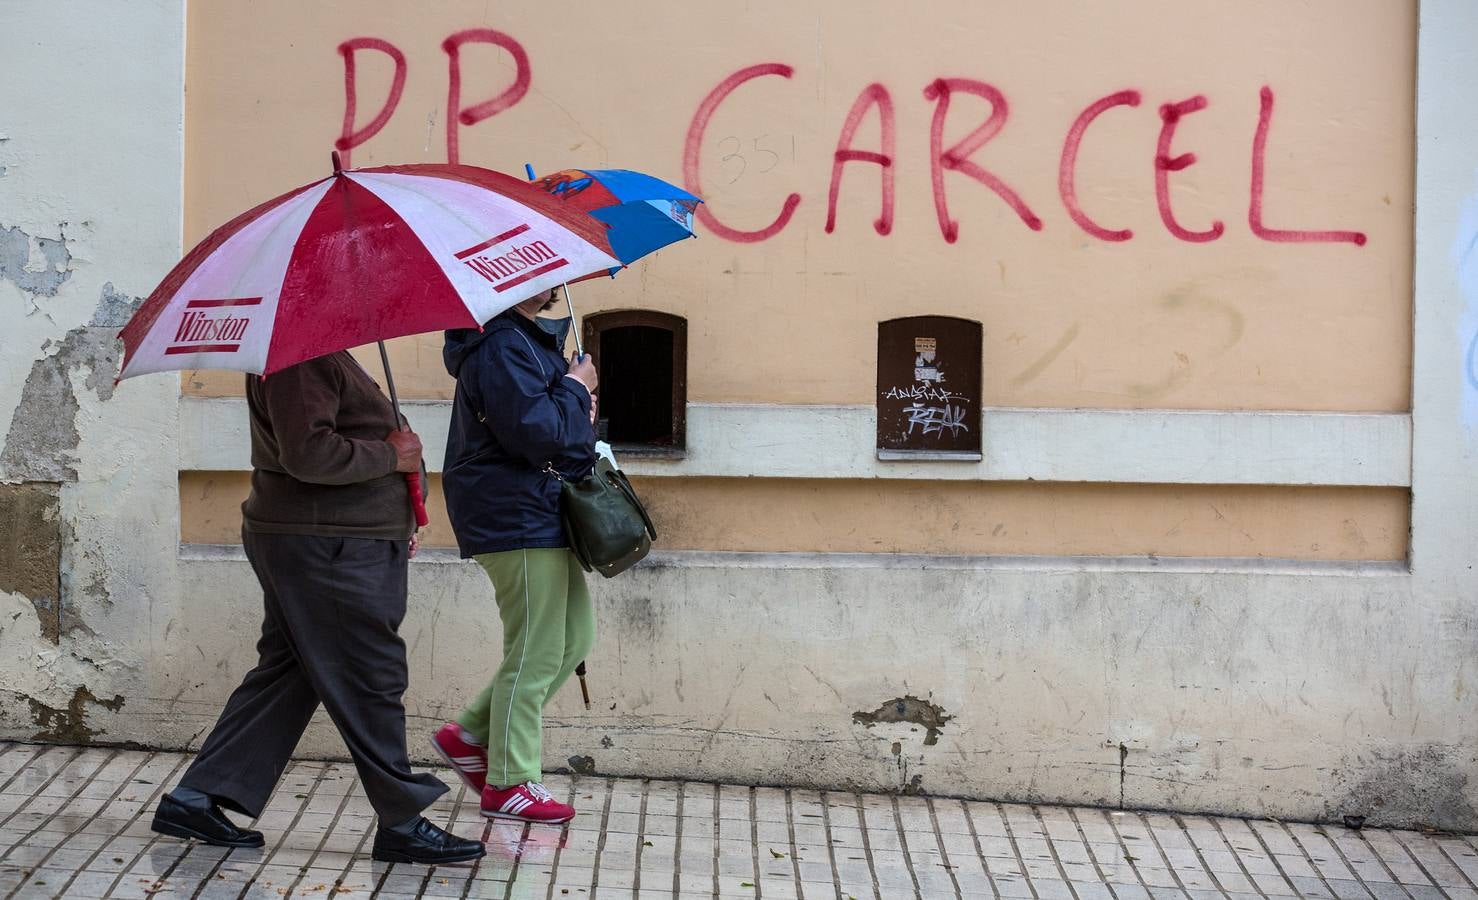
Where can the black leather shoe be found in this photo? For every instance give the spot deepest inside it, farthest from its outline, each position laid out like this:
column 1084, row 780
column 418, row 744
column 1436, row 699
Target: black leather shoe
column 425, row 844
column 208, row 825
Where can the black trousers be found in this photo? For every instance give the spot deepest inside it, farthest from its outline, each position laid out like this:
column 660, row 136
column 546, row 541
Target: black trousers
column 330, row 635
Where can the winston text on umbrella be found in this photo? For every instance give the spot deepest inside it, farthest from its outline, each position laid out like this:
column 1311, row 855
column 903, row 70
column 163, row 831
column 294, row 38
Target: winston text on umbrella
column 532, row 260
column 201, row 332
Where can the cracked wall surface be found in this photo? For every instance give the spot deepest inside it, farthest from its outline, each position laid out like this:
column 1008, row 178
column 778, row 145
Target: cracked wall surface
column 34, row 263
column 90, row 162
column 42, row 441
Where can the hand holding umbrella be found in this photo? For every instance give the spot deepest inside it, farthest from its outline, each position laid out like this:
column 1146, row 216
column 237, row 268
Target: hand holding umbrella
column 407, row 449
column 644, row 213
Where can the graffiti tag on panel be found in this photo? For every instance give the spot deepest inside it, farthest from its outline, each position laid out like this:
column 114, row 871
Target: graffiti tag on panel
column 929, row 385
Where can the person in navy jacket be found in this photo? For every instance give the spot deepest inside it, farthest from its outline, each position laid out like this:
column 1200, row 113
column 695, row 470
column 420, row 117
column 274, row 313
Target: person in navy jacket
column 521, row 414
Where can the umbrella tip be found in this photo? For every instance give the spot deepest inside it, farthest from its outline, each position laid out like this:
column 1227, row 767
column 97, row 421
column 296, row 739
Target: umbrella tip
column 528, row 167
column 338, row 166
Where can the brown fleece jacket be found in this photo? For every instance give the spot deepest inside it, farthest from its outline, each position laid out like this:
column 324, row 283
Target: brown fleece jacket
column 320, row 463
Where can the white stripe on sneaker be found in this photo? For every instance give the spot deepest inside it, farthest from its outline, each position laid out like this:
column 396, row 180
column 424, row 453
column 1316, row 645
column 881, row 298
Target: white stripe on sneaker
column 461, row 773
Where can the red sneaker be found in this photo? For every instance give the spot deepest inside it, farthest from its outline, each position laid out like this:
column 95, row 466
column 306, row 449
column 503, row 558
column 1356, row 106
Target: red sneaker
column 527, row 802
column 469, row 760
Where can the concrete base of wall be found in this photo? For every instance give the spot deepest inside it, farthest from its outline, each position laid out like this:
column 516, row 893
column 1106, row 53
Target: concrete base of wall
column 1296, row 691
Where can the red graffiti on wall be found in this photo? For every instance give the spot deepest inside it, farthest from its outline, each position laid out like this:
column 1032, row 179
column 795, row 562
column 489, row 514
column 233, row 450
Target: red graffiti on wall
column 348, row 137
column 872, row 95
column 941, row 92
column 957, row 158
column 1170, row 116
column 1254, row 211
column 458, row 115
column 693, row 147
column 1067, row 168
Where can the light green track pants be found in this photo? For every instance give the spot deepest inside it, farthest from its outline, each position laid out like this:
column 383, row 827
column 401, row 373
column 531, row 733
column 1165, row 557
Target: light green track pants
column 548, row 628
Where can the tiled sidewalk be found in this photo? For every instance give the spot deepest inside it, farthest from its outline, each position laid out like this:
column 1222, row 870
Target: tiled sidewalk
column 75, row 823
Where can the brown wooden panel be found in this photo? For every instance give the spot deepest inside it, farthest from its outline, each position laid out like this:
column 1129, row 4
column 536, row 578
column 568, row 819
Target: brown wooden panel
column 928, row 385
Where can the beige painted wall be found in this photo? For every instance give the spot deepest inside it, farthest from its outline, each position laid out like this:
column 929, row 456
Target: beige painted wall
column 1070, row 320
column 954, row 518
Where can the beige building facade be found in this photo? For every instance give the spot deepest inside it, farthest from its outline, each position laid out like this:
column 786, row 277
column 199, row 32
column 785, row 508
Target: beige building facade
column 1205, row 548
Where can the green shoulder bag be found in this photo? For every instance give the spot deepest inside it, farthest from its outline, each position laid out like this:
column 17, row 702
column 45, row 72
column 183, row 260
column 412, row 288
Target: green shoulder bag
column 607, row 526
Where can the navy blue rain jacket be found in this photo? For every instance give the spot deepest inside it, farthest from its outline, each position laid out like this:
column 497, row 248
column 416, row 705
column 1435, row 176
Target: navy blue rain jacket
column 514, row 412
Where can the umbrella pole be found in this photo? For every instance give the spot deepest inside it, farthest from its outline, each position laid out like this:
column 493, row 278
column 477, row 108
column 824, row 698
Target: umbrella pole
column 390, row 382
column 412, row 479
column 574, row 323
column 580, row 349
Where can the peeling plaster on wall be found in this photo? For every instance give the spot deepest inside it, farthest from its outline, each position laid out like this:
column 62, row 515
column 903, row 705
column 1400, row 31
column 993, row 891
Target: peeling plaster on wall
column 114, row 308
column 908, row 709
column 43, row 431
column 70, row 219
column 69, row 725
column 903, row 718
column 69, row 608
column 37, row 265
column 48, row 691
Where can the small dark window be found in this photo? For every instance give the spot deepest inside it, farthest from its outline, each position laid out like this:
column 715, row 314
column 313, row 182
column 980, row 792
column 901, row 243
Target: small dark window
column 928, row 396
column 643, row 361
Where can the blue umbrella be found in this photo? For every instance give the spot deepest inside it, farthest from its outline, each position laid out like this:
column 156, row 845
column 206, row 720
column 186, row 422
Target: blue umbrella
column 644, row 213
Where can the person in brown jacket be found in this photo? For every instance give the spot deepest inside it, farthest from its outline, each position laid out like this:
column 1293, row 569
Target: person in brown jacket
column 328, row 531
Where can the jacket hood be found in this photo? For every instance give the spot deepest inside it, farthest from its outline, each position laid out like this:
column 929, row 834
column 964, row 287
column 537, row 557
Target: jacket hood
column 460, row 343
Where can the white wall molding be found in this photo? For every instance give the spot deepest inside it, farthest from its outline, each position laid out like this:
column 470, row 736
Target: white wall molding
column 1106, row 446
column 1445, row 450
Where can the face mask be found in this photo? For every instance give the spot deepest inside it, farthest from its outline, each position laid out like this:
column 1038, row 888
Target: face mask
column 556, row 327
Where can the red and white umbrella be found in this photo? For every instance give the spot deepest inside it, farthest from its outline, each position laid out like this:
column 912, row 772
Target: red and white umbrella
column 362, row 256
